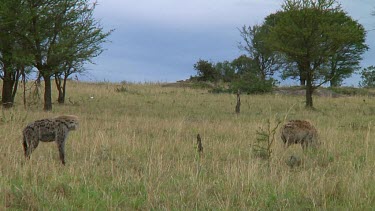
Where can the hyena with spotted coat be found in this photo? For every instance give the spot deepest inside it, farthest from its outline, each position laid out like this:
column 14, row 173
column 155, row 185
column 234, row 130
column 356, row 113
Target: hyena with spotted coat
column 49, row 130
column 299, row 132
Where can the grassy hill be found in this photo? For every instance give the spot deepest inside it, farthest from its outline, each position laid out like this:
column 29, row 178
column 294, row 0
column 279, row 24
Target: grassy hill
column 136, row 149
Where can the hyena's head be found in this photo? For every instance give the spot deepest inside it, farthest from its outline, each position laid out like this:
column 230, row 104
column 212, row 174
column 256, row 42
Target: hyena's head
column 70, row 120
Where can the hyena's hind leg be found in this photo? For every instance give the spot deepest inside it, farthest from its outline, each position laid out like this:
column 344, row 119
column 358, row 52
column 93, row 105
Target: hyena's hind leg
column 25, row 148
column 28, row 146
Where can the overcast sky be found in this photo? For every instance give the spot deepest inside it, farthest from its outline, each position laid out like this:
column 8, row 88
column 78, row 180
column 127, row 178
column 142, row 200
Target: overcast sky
column 161, row 40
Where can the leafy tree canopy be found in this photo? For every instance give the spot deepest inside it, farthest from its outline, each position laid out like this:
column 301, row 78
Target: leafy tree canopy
column 309, row 33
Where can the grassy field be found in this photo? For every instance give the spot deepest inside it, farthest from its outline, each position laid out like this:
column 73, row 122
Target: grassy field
column 136, row 150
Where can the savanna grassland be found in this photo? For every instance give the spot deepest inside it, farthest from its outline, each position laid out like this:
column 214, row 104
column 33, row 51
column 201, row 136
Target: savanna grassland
column 135, row 149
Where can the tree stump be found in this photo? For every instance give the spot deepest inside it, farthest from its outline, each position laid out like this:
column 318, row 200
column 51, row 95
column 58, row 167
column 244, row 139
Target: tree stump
column 238, row 105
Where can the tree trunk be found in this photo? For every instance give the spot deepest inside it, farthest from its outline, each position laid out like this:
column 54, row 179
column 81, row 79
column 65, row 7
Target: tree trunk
column 47, row 93
column 309, row 92
column 306, row 77
column 303, row 68
column 10, row 85
column 16, row 77
column 24, row 86
column 7, row 93
column 60, row 98
column 61, row 87
column 64, row 88
column 238, row 106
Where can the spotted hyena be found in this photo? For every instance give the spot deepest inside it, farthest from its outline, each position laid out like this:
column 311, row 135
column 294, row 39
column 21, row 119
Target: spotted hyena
column 48, row 130
column 299, row 132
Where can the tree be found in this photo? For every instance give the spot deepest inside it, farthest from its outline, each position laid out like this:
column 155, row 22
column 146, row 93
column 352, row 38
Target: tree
column 206, row 71
column 308, row 33
column 226, row 70
column 265, row 61
column 250, row 82
column 61, row 77
column 62, row 31
column 368, row 77
column 244, row 64
column 344, row 62
column 14, row 54
column 80, row 50
column 248, row 77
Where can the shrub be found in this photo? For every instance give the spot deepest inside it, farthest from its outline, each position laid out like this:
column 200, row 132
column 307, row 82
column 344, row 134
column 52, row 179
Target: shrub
column 206, row 71
column 251, row 84
column 368, row 77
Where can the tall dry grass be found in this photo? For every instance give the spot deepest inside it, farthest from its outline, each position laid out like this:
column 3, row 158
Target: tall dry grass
column 136, row 149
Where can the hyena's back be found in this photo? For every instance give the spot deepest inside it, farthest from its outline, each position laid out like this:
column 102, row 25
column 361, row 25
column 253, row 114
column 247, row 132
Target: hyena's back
column 40, row 130
column 299, row 132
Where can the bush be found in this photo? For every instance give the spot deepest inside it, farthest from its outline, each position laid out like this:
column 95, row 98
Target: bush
column 368, row 77
column 252, row 87
column 206, row 71
column 247, row 85
column 251, row 84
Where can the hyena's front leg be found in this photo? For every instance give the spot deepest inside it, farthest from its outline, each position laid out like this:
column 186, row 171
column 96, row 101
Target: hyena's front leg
column 61, row 152
column 61, row 137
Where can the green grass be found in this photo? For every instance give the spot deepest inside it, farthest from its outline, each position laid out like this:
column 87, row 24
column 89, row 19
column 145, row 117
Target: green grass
column 136, row 150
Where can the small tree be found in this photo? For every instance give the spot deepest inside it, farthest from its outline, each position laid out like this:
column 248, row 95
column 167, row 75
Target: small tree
column 226, row 71
column 62, row 32
column 243, row 65
column 61, row 77
column 265, row 61
column 206, row 71
column 368, row 77
column 250, row 83
column 266, row 139
column 248, row 77
column 80, row 50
